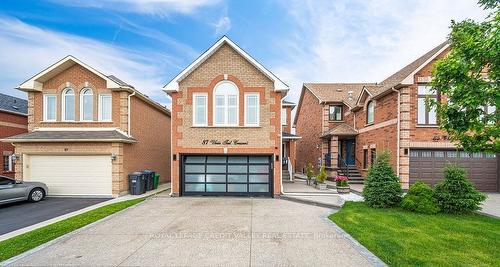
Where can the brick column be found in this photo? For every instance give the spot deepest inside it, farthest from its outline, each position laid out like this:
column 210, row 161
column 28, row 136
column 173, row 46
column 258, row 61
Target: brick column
column 404, row 137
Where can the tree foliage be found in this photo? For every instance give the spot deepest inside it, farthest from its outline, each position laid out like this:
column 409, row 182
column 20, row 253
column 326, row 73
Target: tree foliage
column 469, row 78
column 382, row 188
column 420, row 198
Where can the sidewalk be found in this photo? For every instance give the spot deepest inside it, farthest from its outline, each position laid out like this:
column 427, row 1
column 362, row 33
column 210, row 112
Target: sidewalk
column 160, row 188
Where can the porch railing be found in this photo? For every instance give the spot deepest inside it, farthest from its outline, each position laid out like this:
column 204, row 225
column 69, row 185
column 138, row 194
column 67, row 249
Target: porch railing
column 343, row 166
column 328, row 160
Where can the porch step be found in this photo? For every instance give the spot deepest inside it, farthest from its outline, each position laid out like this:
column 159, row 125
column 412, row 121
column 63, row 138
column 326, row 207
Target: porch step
column 354, row 175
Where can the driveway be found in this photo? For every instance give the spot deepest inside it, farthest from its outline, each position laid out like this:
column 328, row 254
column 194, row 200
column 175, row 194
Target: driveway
column 491, row 205
column 18, row 215
column 164, row 231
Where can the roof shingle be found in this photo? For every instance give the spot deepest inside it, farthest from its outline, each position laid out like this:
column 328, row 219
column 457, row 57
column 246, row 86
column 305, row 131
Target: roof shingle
column 13, row 104
column 337, row 92
column 73, row 136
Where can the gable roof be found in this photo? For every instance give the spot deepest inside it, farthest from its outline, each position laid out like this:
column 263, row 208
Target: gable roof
column 173, row 85
column 336, row 92
column 13, row 104
column 343, row 129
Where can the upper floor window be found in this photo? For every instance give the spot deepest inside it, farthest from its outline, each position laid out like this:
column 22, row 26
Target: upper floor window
column 426, row 115
column 283, row 117
column 252, row 109
column 105, row 107
column 335, row 113
column 49, row 107
column 68, row 104
column 87, row 105
column 370, row 112
column 226, row 104
column 200, row 109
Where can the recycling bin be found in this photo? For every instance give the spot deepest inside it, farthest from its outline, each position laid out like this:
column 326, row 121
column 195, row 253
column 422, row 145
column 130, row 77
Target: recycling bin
column 149, row 177
column 136, row 183
column 156, row 181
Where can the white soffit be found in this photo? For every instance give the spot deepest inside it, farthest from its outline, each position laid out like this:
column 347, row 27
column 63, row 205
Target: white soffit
column 173, row 85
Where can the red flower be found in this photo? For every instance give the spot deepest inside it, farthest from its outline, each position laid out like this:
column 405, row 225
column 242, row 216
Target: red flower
column 341, row 178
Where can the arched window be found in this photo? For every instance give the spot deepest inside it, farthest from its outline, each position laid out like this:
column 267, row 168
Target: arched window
column 226, row 104
column 68, row 104
column 370, row 112
column 86, row 105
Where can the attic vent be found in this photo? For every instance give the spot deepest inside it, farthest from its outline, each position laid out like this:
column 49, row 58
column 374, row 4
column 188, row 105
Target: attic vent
column 349, row 94
column 339, row 90
column 15, row 107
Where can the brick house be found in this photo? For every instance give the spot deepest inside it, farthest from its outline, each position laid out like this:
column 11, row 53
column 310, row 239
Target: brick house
column 87, row 131
column 344, row 125
column 226, row 125
column 13, row 121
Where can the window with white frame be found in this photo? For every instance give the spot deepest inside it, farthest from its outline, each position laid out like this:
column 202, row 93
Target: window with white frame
column 105, row 105
column 86, row 105
column 252, row 109
column 370, row 112
column 7, row 163
column 200, row 109
column 283, row 117
column 49, row 107
column 226, row 104
column 68, row 104
column 426, row 115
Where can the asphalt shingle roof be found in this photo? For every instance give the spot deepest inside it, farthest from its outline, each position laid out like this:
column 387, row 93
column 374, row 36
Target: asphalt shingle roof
column 337, row 92
column 342, row 129
column 75, row 136
column 13, row 104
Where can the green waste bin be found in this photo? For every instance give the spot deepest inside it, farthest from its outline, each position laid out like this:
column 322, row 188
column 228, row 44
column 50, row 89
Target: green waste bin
column 156, row 180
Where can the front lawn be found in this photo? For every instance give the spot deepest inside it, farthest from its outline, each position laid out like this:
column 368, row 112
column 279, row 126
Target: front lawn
column 21, row 243
column 402, row 238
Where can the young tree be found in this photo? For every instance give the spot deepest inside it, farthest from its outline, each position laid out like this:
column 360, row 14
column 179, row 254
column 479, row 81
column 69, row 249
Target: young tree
column 469, row 77
column 382, row 188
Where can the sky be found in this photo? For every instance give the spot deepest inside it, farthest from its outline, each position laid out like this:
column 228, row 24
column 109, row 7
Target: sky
column 148, row 42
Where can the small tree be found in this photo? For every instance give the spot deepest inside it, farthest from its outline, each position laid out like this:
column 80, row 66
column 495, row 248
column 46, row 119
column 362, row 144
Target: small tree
column 420, row 198
column 382, row 188
column 456, row 194
column 321, row 178
column 309, row 172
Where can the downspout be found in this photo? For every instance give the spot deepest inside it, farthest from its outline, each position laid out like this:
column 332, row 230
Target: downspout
column 128, row 113
column 398, row 135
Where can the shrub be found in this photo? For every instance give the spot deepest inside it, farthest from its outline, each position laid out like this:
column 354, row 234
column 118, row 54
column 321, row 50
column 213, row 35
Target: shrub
column 420, row 198
column 382, row 188
column 321, row 175
column 342, row 180
column 309, row 171
column 456, row 194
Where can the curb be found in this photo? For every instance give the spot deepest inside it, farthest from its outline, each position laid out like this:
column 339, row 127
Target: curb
column 311, row 202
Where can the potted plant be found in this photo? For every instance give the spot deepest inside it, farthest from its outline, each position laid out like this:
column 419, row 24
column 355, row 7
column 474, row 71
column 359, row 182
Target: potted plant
column 321, row 178
column 342, row 184
column 309, row 173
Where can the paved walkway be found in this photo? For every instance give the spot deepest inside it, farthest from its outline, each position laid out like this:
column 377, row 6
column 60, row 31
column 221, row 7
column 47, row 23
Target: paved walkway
column 194, row 231
column 491, row 205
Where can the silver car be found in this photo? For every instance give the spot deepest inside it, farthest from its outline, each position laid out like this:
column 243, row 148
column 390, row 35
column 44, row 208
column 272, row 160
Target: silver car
column 14, row 190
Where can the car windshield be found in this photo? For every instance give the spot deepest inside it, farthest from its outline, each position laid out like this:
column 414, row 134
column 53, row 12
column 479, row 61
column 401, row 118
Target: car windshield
column 5, row 180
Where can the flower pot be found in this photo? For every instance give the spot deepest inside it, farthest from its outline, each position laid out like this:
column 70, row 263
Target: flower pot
column 321, row 186
column 343, row 189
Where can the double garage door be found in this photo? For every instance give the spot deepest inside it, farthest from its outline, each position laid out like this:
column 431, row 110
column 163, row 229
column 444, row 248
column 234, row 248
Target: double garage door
column 226, row 175
column 76, row 175
column 482, row 168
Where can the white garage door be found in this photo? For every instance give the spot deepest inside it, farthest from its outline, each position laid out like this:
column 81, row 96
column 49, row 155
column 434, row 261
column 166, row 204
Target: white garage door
column 71, row 175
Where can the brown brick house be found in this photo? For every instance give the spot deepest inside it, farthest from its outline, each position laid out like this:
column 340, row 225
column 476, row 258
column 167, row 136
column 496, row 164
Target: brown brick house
column 87, row 131
column 226, row 125
column 13, row 121
column 344, row 125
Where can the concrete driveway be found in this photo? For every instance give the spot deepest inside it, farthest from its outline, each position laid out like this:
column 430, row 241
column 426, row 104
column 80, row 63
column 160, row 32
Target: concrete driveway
column 166, row 231
column 18, row 215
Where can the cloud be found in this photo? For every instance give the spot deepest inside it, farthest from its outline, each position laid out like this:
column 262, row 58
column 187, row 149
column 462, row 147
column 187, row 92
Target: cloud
column 222, row 26
column 152, row 7
column 27, row 49
column 360, row 40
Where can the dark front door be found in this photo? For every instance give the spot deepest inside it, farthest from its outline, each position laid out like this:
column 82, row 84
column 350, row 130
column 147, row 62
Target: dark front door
column 227, row 175
column 349, row 152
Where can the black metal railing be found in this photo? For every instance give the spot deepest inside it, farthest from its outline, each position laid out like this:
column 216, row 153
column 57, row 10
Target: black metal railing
column 343, row 166
column 328, row 160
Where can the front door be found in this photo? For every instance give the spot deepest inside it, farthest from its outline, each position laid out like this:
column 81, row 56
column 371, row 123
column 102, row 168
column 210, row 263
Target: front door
column 349, row 152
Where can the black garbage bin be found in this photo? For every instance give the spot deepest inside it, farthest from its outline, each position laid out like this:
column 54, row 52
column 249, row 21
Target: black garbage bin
column 149, row 176
column 136, row 183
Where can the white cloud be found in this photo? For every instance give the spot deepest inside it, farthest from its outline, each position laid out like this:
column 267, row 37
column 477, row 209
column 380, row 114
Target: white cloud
column 26, row 50
column 222, row 26
column 362, row 40
column 154, row 7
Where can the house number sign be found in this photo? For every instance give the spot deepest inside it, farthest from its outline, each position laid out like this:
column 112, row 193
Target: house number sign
column 226, row 142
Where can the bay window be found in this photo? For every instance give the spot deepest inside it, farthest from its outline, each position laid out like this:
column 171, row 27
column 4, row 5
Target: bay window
column 105, row 107
column 200, row 109
column 86, row 105
column 426, row 115
column 252, row 109
column 49, row 107
column 68, row 104
column 226, row 104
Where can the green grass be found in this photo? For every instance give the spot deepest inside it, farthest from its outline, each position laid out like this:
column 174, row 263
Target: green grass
column 21, row 243
column 402, row 238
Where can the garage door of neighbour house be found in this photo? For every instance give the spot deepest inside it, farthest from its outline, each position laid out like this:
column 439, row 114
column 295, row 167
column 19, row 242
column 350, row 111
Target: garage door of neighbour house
column 427, row 166
column 227, row 175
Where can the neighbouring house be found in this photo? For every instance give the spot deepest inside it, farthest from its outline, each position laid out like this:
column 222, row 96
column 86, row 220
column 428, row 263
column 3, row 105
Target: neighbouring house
column 88, row 131
column 344, row 125
column 289, row 141
column 226, row 125
column 13, row 121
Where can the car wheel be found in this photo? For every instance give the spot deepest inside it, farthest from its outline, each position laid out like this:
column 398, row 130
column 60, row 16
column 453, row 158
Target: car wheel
column 36, row 195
